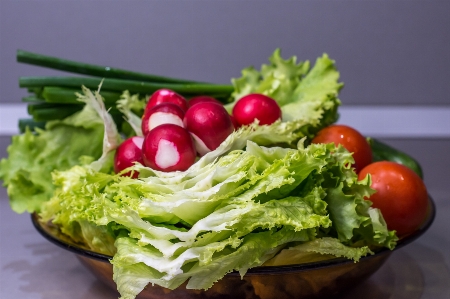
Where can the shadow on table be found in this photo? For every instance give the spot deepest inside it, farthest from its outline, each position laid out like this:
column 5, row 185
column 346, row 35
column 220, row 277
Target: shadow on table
column 408, row 274
column 415, row 272
column 56, row 275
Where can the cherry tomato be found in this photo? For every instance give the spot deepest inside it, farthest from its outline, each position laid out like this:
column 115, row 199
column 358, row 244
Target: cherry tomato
column 400, row 195
column 349, row 138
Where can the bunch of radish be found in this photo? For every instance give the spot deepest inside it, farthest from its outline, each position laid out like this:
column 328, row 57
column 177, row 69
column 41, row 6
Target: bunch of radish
column 176, row 130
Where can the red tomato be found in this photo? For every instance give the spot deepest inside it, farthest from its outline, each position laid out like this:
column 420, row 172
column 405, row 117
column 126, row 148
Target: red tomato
column 349, row 138
column 401, row 195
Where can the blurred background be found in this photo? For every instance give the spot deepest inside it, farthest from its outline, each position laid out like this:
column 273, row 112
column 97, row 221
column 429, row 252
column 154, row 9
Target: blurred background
column 393, row 56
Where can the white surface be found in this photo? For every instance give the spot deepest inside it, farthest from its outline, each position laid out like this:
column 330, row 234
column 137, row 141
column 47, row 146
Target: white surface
column 375, row 121
column 9, row 117
column 398, row 121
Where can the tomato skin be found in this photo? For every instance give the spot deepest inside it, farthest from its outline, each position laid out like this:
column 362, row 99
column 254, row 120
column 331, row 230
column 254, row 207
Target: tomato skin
column 350, row 139
column 401, row 195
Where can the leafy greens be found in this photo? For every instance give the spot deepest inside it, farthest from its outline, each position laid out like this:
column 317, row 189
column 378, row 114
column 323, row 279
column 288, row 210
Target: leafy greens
column 264, row 196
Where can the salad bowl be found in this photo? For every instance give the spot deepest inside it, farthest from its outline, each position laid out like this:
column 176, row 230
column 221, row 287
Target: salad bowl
column 317, row 279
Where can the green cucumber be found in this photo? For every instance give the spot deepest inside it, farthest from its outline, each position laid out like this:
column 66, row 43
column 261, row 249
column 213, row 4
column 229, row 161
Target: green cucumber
column 384, row 152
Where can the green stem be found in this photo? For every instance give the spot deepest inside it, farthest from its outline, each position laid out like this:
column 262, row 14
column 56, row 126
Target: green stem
column 384, row 152
column 46, row 112
column 32, row 99
column 120, row 85
column 30, row 123
column 67, row 96
column 90, row 69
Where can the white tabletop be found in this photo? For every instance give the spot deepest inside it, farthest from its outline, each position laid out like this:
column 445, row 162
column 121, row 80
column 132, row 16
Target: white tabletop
column 33, row 268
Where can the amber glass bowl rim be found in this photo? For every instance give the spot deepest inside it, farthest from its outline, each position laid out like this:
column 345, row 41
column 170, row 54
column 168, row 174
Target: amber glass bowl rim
column 257, row 270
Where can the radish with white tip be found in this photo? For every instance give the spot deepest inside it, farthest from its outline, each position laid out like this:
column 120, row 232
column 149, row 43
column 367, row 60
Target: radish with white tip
column 129, row 152
column 165, row 113
column 166, row 96
column 210, row 124
column 256, row 106
column 168, row 147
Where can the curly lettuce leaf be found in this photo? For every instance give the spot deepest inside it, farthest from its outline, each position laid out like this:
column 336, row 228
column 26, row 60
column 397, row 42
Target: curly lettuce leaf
column 277, row 80
column 226, row 219
column 33, row 156
column 354, row 220
column 128, row 104
column 317, row 250
column 309, row 95
column 200, row 224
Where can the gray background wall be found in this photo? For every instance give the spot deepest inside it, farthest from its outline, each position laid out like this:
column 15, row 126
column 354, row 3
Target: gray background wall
column 388, row 52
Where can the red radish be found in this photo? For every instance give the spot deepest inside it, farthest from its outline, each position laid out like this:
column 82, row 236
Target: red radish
column 235, row 123
column 256, row 106
column 127, row 153
column 165, row 113
column 201, row 99
column 166, row 96
column 168, row 147
column 209, row 124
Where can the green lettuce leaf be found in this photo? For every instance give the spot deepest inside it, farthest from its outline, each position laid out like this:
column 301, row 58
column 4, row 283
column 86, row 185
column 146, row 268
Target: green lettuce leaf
column 128, row 104
column 317, row 250
column 261, row 191
column 226, row 225
column 305, row 94
column 33, row 156
column 354, row 220
column 239, row 212
column 277, row 80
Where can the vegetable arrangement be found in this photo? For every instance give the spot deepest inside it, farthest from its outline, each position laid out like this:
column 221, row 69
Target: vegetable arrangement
column 185, row 181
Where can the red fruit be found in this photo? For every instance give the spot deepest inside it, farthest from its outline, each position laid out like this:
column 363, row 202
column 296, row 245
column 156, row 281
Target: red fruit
column 209, row 124
column 349, row 138
column 202, row 99
column 165, row 113
column 166, row 96
column 256, row 106
column 168, row 147
column 235, row 123
column 127, row 153
column 401, row 195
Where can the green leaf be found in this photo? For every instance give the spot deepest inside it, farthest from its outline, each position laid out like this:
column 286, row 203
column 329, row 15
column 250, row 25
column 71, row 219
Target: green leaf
column 33, row 156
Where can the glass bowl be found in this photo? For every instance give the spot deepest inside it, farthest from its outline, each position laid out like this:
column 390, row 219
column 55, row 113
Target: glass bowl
column 320, row 279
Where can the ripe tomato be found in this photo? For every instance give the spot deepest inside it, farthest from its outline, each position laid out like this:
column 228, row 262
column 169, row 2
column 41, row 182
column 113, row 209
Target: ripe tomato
column 401, row 195
column 349, row 138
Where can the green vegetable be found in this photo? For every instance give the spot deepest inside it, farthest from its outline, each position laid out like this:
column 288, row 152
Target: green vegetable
column 317, row 249
column 232, row 214
column 31, row 124
column 384, row 152
column 90, row 69
column 46, row 112
column 119, row 85
column 301, row 92
column 33, row 156
column 60, row 95
column 33, row 100
column 261, row 191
